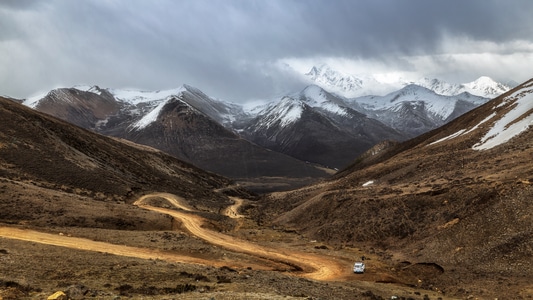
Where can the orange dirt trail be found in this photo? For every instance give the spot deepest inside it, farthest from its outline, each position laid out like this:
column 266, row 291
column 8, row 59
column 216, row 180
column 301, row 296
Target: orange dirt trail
column 313, row 266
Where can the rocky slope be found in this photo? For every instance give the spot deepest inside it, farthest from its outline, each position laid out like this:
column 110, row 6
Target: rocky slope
column 183, row 122
column 414, row 110
column 317, row 126
column 42, row 150
column 311, row 126
column 457, row 197
column 350, row 86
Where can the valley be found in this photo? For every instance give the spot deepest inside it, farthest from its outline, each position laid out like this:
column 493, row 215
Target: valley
column 100, row 217
column 266, row 150
column 238, row 252
column 283, row 144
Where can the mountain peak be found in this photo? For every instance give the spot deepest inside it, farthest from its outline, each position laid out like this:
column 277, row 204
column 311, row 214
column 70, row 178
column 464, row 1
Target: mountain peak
column 326, row 77
column 486, row 87
column 313, row 92
column 313, row 72
column 485, row 80
column 482, row 83
column 508, row 117
column 138, row 96
column 374, row 84
column 287, row 111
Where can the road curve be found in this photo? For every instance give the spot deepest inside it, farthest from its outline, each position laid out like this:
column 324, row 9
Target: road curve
column 232, row 211
column 90, row 245
column 312, row 266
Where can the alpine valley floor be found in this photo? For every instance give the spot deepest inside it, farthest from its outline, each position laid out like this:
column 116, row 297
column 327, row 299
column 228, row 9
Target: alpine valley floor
column 198, row 258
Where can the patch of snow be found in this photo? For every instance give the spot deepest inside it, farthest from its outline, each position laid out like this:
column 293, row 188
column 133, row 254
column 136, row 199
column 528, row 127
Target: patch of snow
column 135, row 96
column 149, row 117
column 291, row 115
column 95, row 90
column 480, row 123
column 83, row 88
column 507, row 127
column 33, row 101
column 463, row 131
column 91, row 89
column 451, row 136
column 368, row 183
column 334, row 108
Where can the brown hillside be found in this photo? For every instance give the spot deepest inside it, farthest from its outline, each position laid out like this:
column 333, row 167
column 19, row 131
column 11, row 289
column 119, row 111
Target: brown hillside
column 72, row 220
column 465, row 210
column 45, row 152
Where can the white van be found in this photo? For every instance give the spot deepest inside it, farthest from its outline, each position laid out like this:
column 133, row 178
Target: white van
column 359, row 267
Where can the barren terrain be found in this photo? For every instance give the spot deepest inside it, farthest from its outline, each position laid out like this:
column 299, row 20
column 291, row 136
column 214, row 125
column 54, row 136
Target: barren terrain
column 98, row 218
column 433, row 201
column 245, row 262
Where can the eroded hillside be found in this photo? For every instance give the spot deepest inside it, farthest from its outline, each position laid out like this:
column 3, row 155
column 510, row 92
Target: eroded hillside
column 437, row 199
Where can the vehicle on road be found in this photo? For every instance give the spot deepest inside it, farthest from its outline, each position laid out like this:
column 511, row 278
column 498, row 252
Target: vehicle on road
column 359, row 267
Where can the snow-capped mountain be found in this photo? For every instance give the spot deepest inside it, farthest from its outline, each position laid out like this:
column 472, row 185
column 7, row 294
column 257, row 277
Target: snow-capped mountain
column 486, row 87
column 149, row 103
column 440, row 87
column 350, row 86
column 483, row 86
column 325, row 76
column 85, row 109
column 312, row 125
column 500, row 121
column 414, row 110
column 317, row 126
column 183, row 122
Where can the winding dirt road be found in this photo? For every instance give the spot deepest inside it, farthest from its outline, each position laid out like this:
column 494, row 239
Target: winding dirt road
column 308, row 265
column 233, row 210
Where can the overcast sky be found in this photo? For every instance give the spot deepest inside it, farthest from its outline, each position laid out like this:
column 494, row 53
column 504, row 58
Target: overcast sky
column 242, row 50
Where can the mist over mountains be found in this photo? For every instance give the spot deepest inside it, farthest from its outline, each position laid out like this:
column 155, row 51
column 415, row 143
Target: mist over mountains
column 351, row 86
column 266, row 149
column 299, row 135
column 412, row 174
column 456, row 196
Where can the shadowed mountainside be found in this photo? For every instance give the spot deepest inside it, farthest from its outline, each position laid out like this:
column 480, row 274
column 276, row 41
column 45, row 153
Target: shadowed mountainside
column 41, row 150
column 458, row 196
column 66, row 198
column 187, row 124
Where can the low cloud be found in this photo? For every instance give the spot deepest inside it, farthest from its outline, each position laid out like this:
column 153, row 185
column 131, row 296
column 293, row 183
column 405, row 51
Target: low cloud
column 238, row 49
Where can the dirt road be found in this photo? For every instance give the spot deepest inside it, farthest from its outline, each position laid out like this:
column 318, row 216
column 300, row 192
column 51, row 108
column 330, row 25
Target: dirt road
column 233, row 210
column 303, row 264
column 313, row 266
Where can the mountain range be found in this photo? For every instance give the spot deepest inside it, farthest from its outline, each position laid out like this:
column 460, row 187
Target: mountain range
column 456, row 198
column 299, row 136
column 445, row 214
column 317, row 126
column 183, row 122
column 56, row 155
column 414, row 109
column 351, row 86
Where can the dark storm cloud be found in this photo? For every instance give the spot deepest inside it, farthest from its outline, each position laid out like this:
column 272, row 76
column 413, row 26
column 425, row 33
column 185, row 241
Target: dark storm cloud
column 382, row 27
column 234, row 49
